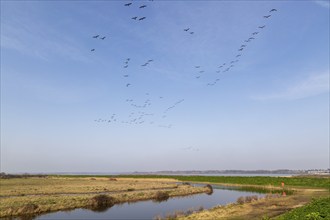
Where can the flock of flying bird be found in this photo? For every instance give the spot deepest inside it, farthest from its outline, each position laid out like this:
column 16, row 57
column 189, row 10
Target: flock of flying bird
column 223, row 68
column 144, row 117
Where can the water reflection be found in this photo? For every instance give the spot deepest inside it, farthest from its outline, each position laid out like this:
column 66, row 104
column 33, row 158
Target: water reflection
column 150, row 209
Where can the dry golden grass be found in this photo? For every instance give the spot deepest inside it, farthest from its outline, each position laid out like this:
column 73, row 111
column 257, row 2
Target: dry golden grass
column 39, row 195
column 54, row 185
column 269, row 207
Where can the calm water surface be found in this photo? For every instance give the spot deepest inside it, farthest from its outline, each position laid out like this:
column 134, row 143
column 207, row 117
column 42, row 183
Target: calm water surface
column 150, row 209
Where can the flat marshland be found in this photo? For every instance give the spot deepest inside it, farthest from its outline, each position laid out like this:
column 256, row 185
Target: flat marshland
column 35, row 195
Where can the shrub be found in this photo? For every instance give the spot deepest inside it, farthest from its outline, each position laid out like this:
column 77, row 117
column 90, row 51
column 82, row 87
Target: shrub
column 161, row 196
column 102, row 202
column 240, row 200
column 210, row 189
column 112, row 179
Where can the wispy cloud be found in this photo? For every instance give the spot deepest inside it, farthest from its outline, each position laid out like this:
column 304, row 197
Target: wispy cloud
column 313, row 85
column 323, row 3
column 33, row 38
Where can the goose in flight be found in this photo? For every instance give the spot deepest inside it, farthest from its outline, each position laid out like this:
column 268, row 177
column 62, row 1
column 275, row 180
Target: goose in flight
column 134, row 18
column 241, row 49
column 254, row 33
column 273, row 10
column 128, row 4
column 92, row 50
column 187, row 29
column 267, row 16
column 96, row 36
column 102, row 38
column 261, row 27
column 128, row 84
column 238, row 55
column 140, row 19
column 126, row 66
column 191, row 32
column 125, row 75
column 142, row 6
column 197, row 67
column 150, row 61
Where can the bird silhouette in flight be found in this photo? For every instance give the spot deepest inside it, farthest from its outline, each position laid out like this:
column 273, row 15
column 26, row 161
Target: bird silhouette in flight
column 197, row 67
column 128, row 4
column 240, row 49
column 273, row 10
column 187, row 29
column 254, row 33
column 140, row 19
column 197, row 77
column 126, row 66
column 142, row 6
column 150, row 61
column 251, row 38
column 96, row 36
column 191, row 32
column 128, row 84
column 267, row 16
column 202, row 71
column 125, row 75
column 261, row 27
column 102, row 38
column 92, row 50
column 134, row 18
column 238, row 55
column 243, row 45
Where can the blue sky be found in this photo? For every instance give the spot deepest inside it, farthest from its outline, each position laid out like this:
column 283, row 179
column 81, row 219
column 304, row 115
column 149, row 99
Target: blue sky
column 269, row 111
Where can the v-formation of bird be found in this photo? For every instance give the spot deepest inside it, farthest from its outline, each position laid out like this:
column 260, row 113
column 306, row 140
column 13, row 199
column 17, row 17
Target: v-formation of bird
column 140, row 116
column 240, row 50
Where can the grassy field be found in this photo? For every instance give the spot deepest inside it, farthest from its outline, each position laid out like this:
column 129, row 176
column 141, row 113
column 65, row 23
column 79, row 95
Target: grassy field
column 262, row 209
column 310, row 182
column 21, row 196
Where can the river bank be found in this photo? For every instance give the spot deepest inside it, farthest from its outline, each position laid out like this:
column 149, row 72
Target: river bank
column 32, row 196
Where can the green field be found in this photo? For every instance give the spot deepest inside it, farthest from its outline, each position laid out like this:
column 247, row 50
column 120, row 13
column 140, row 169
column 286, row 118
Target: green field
column 318, row 209
column 314, row 182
